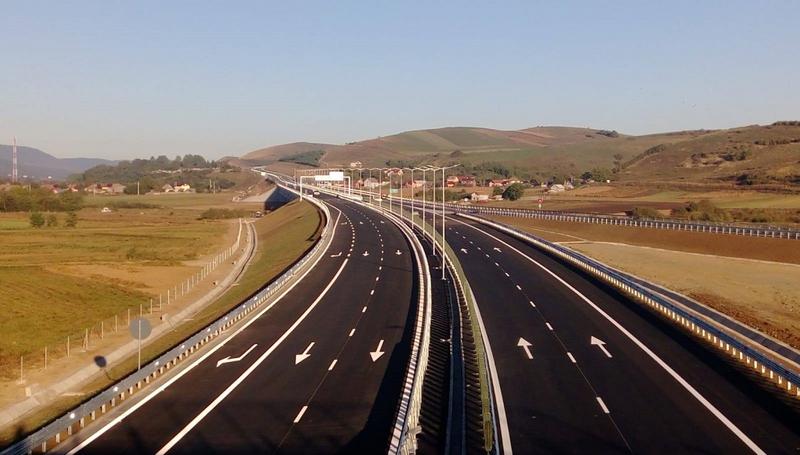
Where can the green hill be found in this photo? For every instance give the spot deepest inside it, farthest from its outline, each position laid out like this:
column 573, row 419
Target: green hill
column 752, row 155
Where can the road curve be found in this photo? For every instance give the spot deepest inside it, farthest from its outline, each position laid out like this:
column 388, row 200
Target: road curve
column 321, row 371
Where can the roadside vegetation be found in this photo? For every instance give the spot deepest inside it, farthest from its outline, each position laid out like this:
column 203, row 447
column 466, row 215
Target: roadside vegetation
column 309, row 158
column 283, row 237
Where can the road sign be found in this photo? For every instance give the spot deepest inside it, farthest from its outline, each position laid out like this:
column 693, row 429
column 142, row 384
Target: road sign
column 140, row 328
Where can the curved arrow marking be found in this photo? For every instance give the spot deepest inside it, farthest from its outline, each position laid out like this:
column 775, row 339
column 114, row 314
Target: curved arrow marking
column 230, row 359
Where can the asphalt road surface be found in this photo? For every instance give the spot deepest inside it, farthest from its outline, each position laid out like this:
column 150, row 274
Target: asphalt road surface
column 320, row 371
column 581, row 369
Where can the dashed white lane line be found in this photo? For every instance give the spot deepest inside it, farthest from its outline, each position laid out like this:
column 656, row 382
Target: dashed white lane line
column 603, row 405
column 549, row 326
column 571, row 358
column 364, row 310
column 352, row 332
column 496, row 264
column 507, row 274
column 372, row 292
column 519, row 288
column 300, row 414
column 377, row 278
column 532, row 304
column 333, row 364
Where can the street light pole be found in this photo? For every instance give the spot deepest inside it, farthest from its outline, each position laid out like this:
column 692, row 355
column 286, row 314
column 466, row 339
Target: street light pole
column 443, row 223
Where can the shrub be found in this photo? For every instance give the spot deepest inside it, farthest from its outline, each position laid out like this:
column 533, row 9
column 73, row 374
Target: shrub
column 645, row 212
column 37, row 220
column 52, row 220
column 514, row 192
column 72, row 220
column 222, row 214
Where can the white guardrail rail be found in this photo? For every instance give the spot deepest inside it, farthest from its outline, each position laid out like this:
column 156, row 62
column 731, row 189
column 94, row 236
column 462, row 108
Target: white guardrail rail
column 407, row 425
column 51, row 434
column 748, row 230
column 751, row 354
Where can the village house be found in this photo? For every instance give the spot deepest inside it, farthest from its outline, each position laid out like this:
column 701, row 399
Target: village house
column 167, row 188
column 467, row 180
column 475, row 197
column 452, row 181
column 183, row 188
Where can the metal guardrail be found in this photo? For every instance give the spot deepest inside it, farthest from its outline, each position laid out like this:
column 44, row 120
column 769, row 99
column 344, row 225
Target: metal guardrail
column 747, row 230
column 752, row 356
column 487, row 397
column 113, row 395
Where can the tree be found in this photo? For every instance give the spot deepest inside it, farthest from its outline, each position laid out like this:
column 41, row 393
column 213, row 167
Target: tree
column 514, row 192
column 497, row 190
column 617, row 162
column 37, row 220
column 52, row 220
column 72, row 220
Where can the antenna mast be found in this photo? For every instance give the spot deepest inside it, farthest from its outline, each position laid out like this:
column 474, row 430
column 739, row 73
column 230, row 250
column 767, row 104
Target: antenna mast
column 14, row 172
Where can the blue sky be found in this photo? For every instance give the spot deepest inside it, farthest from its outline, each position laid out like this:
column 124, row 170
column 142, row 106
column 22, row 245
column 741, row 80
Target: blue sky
column 133, row 79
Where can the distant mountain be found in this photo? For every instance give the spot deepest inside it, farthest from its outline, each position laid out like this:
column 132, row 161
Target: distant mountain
column 38, row 165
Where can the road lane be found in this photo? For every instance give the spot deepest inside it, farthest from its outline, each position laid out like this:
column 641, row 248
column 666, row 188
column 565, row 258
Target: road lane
column 629, row 384
column 259, row 413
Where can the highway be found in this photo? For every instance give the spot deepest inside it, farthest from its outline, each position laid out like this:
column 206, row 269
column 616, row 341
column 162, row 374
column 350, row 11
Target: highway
column 581, row 369
column 320, row 370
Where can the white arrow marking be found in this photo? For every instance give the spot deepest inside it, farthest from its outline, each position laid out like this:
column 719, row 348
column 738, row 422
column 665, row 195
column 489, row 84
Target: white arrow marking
column 336, row 255
column 230, row 359
column 600, row 344
column 526, row 345
column 366, row 253
column 398, row 252
column 300, row 357
column 378, row 353
column 497, row 249
column 464, row 250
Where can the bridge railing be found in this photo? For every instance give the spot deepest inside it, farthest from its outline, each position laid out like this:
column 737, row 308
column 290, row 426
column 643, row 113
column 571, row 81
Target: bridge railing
column 52, row 434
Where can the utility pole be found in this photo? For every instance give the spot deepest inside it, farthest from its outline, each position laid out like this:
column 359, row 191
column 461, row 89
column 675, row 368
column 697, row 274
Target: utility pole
column 14, row 170
column 137, row 187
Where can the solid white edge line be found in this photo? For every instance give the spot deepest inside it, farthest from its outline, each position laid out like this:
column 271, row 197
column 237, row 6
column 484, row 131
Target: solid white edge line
column 172, row 442
column 191, row 366
column 505, row 435
column 688, row 387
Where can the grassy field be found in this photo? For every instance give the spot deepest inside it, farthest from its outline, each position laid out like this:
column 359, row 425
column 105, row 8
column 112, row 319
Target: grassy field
column 762, row 295
column 278, row 248
column 54, row 282
column 765, row 249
